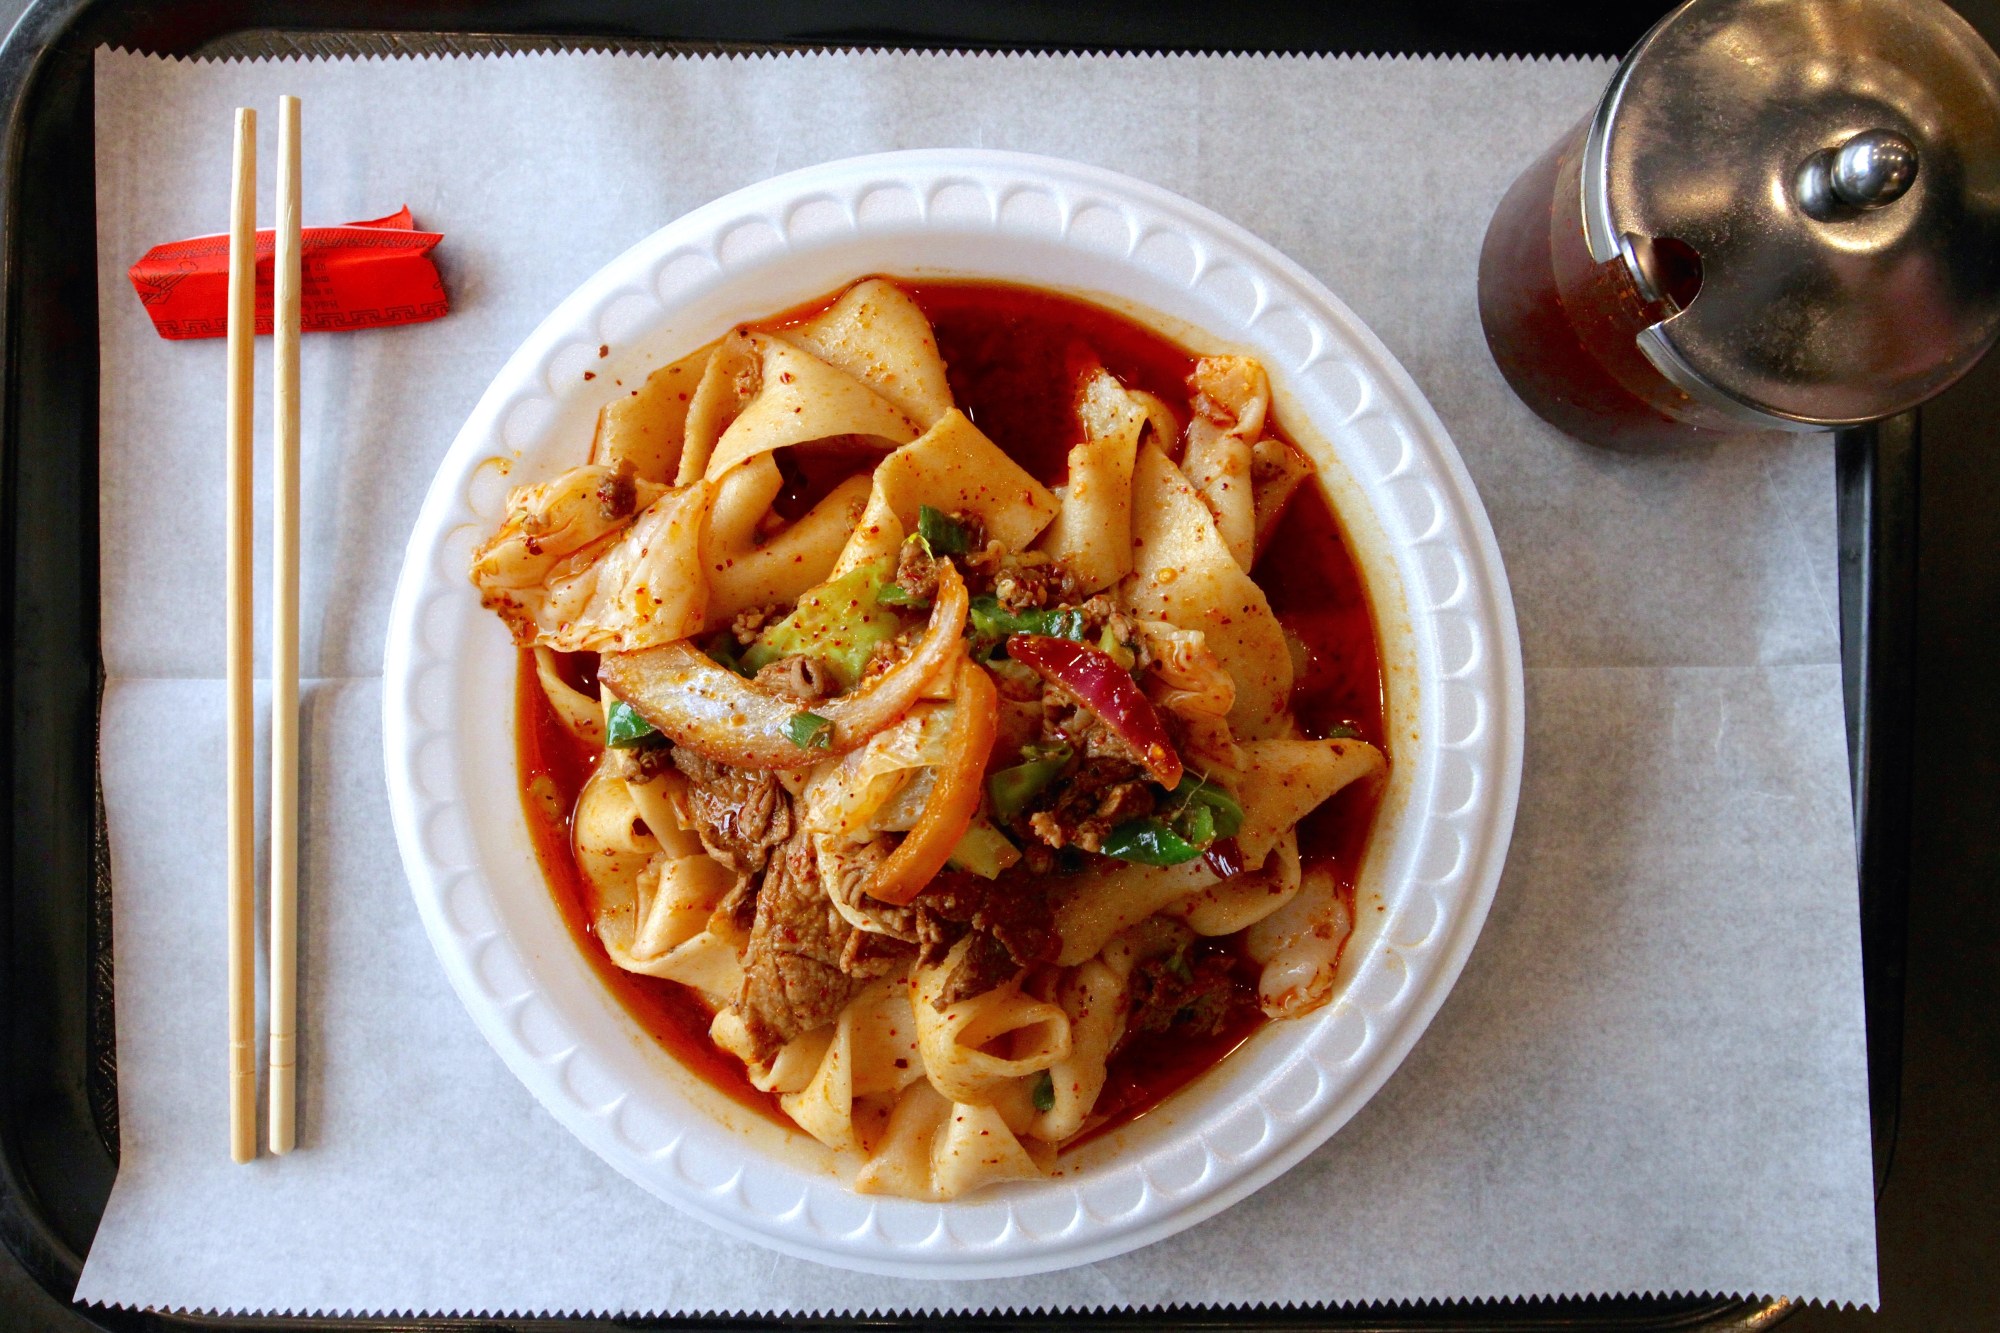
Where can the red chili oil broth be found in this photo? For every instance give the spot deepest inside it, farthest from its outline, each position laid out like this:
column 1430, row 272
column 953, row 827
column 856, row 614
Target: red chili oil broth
column 1149, row 1067
column 670, row 1013
column 1014, row 359
column 1014, row 356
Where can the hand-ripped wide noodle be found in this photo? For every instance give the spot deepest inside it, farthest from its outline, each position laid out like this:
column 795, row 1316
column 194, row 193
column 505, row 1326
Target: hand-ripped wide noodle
column 916, row 735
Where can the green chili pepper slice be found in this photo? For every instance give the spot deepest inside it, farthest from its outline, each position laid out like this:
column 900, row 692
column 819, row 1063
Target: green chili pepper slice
column 1011, row 789
column 624, row 728
column 1148, row 842
column 842, row 623
column 1204, row 811
column 993, row 624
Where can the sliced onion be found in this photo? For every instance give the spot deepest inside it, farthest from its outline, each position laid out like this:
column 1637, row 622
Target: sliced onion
column 717, row 713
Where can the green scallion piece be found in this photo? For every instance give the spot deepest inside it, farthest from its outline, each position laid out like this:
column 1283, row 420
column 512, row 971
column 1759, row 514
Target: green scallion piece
column 809, row 731
column 1045, row 1092
column 895, row 594
column 993, row 624
column 944, row 534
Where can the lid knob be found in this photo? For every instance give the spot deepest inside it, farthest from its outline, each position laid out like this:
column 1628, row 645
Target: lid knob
column 1871, row 169
column 1874, row 168
column 1834, row 166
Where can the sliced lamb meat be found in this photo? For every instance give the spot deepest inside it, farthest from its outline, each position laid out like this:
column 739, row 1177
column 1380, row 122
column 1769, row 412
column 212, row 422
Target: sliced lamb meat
column 1101, row 794
column 793, row 982
column 638, row 763
column 1014, row 909
column 740, row 814
column 734, row 917
column 806, row 679
column 845, row 870
column 1010, row 918
column 1196, row 995
column 868, row 955
column 935, row 936
column 984, row 965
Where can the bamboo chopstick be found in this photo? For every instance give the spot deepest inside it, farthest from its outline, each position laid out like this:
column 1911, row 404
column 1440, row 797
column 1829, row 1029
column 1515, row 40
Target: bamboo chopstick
column 242, row 726
column 285, row 636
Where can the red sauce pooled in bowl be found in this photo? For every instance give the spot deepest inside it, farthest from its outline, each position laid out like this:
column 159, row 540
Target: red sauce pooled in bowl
column 1013, row 356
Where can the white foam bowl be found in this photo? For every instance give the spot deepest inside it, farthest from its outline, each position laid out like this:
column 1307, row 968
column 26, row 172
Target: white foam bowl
column 1450, row 652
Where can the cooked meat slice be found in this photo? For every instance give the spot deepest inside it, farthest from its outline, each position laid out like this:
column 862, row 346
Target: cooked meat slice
column 1011, row 920
column 845, row 869
column 806, row 679
column 1079, row 811
column 916, row 573
column 793, row 982
column 868, row 955
column 736, row 914
column 935, row 936
column 637, row 763
column 1193, row 995
column 740, row 814
column 1014, row 909
column 983, row 966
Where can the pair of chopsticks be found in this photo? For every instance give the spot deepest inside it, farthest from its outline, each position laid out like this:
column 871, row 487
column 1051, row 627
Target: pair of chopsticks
column 284, row 644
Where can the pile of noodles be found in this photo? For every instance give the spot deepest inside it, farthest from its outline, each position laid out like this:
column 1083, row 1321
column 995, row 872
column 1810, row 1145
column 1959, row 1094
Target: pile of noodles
column 668, row 534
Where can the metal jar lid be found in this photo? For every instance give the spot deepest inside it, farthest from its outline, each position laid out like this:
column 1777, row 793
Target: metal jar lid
column 1835, row 165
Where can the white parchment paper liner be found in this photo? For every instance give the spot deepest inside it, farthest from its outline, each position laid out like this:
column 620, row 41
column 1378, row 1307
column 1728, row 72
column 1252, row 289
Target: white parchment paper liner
column 1651, row 1077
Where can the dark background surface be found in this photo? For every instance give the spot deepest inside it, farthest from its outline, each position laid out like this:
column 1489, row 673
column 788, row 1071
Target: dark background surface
column 1939, row 1214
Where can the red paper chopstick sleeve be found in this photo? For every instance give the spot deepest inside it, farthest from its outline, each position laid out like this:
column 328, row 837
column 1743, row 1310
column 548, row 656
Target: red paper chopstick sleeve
column 360, row 276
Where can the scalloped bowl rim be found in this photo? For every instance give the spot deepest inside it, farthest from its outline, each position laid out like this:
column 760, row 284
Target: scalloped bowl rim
column 1428, row 553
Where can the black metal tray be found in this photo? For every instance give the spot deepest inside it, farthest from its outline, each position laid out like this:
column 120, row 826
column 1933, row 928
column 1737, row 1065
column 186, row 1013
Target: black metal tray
column 58, row 1077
